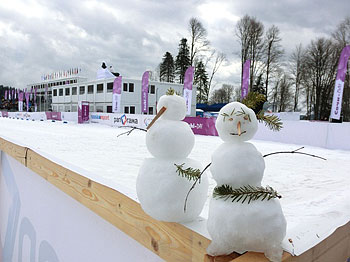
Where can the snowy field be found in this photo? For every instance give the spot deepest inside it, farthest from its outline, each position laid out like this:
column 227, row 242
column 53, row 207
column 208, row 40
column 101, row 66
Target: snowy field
column 315, row 193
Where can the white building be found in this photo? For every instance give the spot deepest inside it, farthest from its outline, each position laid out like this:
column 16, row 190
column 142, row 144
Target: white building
column 66, row 93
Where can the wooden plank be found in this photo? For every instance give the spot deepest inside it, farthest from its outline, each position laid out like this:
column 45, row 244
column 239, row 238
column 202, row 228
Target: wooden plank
column 260, row 257
column 15, row 151
column 171, row 241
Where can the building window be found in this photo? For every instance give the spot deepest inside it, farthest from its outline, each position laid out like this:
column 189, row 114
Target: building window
column 150, row 110
column 82, row 90
column 152, row 89
column 125, row 87
column 60, row 92
column 99, row 109
column 99, row 88
column 109, row 109
column 67, row 91
column 90, row 89
column 67, row 109
column 70, row 81
column 126, row 110
column 74, row 90
column 110, row 87
column 55, row 92
column 74, row 108
column 132, row 110
column 131, row 87
column 91, row 108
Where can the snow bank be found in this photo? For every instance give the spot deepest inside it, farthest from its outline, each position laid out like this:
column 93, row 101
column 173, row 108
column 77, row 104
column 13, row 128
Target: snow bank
column 315, row 193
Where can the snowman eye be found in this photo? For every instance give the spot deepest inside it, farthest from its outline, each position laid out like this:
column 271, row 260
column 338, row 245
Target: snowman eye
column 230, row 119
column 224, row 115
column 247, row 117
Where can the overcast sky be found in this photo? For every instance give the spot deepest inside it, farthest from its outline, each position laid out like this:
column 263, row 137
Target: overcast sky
column 39, row 37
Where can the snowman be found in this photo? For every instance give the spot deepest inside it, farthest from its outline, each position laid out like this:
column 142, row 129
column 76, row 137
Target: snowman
column 243, row 216
column 160, row 189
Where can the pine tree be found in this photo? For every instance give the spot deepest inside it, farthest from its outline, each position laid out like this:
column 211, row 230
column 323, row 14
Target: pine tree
column 167, row 68
column 201, row 80
column 182, row 61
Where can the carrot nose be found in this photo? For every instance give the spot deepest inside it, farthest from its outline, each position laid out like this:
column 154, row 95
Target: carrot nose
column 239, row 128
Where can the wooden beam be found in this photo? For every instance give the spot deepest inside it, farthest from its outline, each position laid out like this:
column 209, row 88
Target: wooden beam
column 16, row 151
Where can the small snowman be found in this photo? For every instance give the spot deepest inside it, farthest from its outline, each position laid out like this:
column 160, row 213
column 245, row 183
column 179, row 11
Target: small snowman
column 160, row 188
column 243, row 215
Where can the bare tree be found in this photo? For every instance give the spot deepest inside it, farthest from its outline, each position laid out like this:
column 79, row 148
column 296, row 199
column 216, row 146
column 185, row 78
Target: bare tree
column 250, row 36
column 321, row 62
column 222, row 95
column 273, row 53
column 281, row 94
column 199, row 42
column 219, row 59
column 297, row 71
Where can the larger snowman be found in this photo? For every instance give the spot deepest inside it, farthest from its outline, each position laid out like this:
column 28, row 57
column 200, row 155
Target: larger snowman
column 257, row 224
column 160, row 189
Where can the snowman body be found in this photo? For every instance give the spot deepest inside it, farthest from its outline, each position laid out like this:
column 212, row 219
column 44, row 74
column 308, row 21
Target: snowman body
column 235, row 226
column 160, row 189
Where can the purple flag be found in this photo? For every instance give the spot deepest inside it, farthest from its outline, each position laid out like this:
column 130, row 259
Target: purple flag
column 188, row 88
column 245, row 79
column 5, row 94
column 144, row 92
column 339, row 83
column 27, row 100
column 117, row 90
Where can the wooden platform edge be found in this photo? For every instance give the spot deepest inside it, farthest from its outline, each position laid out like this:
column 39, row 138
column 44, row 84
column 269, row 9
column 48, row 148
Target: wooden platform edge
column 170, row 241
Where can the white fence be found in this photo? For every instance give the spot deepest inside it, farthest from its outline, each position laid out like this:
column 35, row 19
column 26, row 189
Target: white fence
column 39, row 222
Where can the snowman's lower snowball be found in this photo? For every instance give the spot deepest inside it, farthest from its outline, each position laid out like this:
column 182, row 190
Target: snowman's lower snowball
column 259, row 226
column 162, row 192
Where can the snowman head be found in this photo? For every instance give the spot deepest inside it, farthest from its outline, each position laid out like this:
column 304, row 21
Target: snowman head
column 175, row 106
column 236, row 123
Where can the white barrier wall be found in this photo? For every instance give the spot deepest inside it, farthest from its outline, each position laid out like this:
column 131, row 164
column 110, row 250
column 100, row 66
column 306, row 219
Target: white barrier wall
column 320, row 134
column 38, row 222
column 120, row 120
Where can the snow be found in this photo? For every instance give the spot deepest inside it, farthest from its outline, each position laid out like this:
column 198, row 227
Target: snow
column 315, row 193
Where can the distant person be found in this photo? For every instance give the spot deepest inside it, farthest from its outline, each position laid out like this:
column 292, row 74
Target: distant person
column 103, row 65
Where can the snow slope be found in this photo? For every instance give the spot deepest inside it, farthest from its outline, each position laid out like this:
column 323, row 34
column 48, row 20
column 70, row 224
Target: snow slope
column 315, row 193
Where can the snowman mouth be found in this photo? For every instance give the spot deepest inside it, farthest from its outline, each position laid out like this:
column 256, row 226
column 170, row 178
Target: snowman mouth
column 238, row 134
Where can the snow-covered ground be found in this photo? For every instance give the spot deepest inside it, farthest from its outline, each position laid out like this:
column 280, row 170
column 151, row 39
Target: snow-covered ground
column 315, row 193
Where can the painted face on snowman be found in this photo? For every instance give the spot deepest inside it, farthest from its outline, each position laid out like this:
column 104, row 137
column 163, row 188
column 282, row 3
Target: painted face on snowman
column 236, row 123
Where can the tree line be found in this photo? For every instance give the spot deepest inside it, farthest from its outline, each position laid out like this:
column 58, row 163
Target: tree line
column 302, row 81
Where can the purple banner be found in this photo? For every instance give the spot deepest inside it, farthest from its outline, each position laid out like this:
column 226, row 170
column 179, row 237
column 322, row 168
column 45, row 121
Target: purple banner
column 245, row 79
column 117, row 85
column 83, row 111
column 27, row 101
column 202, row 126
column 20, row 96
column 188, row 88
column 5, row 94
column 339, row 83
column 116, row 97
column 144, row 92
column 189, row 78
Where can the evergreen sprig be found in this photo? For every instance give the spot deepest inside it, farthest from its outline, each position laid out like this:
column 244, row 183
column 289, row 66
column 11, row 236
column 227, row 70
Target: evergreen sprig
column 271, row 121
column 253, row 99
column 250, row 193
column 189, row 173
column 171, row 92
